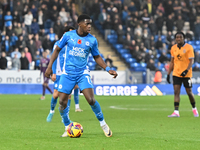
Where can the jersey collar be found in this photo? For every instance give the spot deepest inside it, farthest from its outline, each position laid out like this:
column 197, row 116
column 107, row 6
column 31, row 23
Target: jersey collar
column 182, row 45
column 81, row 35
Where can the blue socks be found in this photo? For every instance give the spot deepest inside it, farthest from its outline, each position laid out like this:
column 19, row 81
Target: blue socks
column 76, row 96
column 65, row 115
column 68, row 104
column 53, row 103
column 97, row 111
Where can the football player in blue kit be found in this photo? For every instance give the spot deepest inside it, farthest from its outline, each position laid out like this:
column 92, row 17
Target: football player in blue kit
column 79, row 43
column 57, row 71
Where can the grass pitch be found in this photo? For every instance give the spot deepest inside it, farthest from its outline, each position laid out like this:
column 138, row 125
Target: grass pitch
column 138, row 123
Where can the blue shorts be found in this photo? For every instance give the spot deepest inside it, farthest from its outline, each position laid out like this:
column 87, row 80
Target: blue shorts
column 67, row 82
column 56, row 83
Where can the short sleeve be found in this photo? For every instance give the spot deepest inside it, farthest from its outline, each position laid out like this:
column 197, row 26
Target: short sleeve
column 63, row 41
column 191, row 52
column 95, row 50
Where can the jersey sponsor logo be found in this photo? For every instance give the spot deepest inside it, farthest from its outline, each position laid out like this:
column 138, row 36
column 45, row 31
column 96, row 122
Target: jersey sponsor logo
column 179, row 57
column 79, row 41
column 151, row 91
column 72, row 40
column 87, row 43
column 184, row 51
column 77, row 51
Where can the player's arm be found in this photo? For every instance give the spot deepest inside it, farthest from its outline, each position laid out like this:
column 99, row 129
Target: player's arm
column 54, row 56
column 190, row 63
column 190, row 55
column 101, row 63
column 53, row 78
column 171, row 66
column 191, row 58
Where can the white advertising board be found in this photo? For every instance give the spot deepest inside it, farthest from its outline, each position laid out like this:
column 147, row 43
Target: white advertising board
column 33, row 77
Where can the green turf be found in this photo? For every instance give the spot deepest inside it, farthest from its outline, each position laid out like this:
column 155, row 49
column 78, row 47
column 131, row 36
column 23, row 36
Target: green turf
column 138, row 123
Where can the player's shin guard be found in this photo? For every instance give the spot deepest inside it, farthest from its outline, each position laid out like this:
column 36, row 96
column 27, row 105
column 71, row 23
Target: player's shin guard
column 97, row 110
column 76, row 97
column 65, row 116
column 53, row 103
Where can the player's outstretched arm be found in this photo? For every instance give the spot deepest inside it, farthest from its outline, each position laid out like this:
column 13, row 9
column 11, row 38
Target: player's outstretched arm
column 101, row 63
column 54, row 55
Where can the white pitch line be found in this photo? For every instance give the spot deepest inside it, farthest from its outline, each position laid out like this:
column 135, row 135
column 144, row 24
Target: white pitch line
column 151, row 109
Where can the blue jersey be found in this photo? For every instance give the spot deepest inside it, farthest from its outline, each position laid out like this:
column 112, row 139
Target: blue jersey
column 57, row 66
column 77, row 51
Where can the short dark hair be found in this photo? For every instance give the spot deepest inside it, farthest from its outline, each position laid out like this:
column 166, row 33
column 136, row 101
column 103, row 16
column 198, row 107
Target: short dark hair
column 67, row 28
column 82, row 17
column 179, row 32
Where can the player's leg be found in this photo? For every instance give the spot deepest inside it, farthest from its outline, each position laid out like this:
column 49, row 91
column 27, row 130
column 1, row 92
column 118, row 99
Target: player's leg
column 49, row 89
column 64, row 92
column 188, row 87
column 68, row 105
column 44, row 86
column 43, row 92
column 76, row 99
column 64, row 111
column 53, row 105
column 177, row 87
column 47, row 86
column 86, row 87
column 54, row 99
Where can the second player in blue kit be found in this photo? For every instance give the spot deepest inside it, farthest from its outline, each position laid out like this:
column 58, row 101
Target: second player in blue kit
column 57, row 72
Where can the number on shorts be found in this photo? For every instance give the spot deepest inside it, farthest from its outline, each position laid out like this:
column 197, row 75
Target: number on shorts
column 190, row 82
column 88, row 78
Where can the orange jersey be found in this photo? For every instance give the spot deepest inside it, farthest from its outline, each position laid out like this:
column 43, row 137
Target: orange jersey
column 181, row 59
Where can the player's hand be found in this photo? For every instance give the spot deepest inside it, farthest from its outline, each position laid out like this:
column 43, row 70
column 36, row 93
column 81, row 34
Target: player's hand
column 53, row 78
column 48, row 72
column 184, row 73
column 113, row 72
column 168, row 78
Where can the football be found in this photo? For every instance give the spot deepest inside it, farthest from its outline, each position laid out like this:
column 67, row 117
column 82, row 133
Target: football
column 75, row 130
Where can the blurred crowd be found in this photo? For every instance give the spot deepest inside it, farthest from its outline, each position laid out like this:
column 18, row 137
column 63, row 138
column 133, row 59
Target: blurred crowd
column 147, row 27
column 29, row 27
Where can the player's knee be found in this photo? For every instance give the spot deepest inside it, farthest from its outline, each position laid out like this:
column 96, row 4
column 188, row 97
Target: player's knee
column 62, row 102
column 189, row 93
column 91, row 101
column 176, row 92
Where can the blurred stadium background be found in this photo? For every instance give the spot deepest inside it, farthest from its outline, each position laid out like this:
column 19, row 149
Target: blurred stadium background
column 135, row 37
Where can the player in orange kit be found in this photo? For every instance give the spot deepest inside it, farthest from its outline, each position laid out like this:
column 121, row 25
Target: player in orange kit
column 182, row 58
